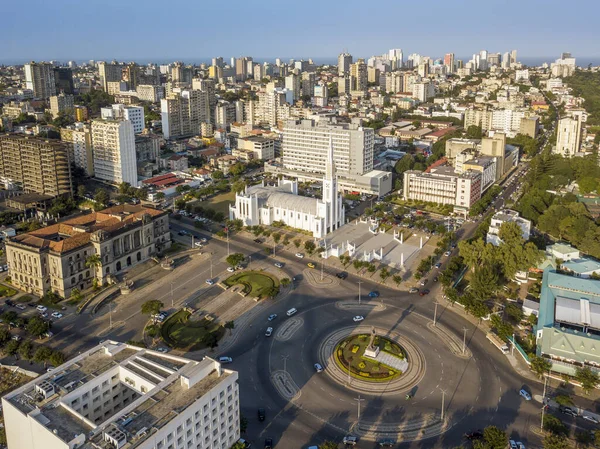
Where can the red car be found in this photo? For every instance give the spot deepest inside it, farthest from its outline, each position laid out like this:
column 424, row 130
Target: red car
column 423, row 292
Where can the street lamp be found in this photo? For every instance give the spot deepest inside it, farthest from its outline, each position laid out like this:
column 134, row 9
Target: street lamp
column 172, row 300
column 359, row 282
column 358, row 401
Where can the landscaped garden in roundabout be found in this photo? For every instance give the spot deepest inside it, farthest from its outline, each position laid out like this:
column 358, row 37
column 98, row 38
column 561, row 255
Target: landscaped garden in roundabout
column 349, row 356
column 182, row 330
column 257, row 284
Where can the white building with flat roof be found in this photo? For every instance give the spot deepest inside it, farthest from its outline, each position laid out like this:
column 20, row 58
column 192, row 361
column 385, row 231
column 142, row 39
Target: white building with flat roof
column 120, row 396
column 113, row 144
column 506, row 216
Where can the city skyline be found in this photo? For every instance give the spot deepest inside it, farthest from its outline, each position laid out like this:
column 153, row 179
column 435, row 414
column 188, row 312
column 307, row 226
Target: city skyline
column 107, row 31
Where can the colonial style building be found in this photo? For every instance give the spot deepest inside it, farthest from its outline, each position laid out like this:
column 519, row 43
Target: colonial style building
column 72, row 253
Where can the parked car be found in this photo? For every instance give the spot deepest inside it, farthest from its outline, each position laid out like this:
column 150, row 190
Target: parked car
column 278, row 264
column 374, row 294
column 342, row 275
column 20, row 306
column 438, row 265
column 230, row 269
column 57, row 315
column 300, row 255
column 272, row 317
column 413, row 290
column 41, row 308
column 163, row 350
column 424, row 292
column 203, row 240
column 225, row 359
column 269, row 332
column 358, row 318
column 447, row 253
column 291, row 312
column 318, row 368
column 210, row 281
column 269, row 443
column 423, row 282
column 568, row 411
column 475, row 435
column 513, row 444
column 590, row 418
column 350, row 440
column 310, row 265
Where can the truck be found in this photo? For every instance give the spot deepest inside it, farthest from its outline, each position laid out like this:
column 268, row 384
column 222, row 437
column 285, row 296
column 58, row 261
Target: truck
column 497, row 342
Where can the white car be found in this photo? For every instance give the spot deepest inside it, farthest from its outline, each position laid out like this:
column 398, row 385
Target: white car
column 447, row 253
column 20, row 307
column 57, row 315
column 358, row 318
column 41, row 308
column 163, row 350
column 230, row 269
column 210, row 281
column 318, row 368
column 269, row 332
column 513, row 444
column 300, row 255
column 225, row 359
column 203, row 240
column 291, row 312
column 278, row 264
column 590, row 419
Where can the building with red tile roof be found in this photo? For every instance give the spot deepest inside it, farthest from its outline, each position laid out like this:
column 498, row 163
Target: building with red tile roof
column 58, row 257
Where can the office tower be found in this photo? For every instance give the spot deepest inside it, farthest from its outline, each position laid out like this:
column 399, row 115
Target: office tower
column 241, row 68
column 305, row 145
column 208, row 86
column 308, row 83
column 568, row 136
column 225, row 114
column 35, row 165
column 423, row 90
column 321, row 95
column 109, row 72
column 258, row 71
column 293, row 82
column 565, row 66
column 394, row 82
column 131, row 74
column 249, row 67
column 113, row 143
column 396, row 58
column 493, row 59
column 344, row 62
column 358, row 75
column 99, row 399
column 183, row 111
column 513, row 56
column 343, row 84
column 63, row 79
column 61, row 103
column 39, row 77
column 423, row 69
column 218, row 62
column 82, row 149
column 372, row 74
column 449, row 62
column 149, row 92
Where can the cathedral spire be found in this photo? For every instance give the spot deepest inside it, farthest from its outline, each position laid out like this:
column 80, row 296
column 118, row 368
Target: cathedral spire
column 329, row 165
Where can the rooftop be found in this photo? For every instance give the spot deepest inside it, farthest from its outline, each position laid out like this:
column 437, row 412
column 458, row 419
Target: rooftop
column 280, row 196
column 76, row 232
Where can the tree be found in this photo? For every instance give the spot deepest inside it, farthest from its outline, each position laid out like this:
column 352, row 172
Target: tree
column 217, row 174
column 76, row 295
column 297, row 243
column 553, row 441
column 243, row 423
column 272, row 292
column 588, row 379
column 210, row 339
column 540, row 366
column 357, row 264
column 57, row 358
column 310, row 246
column 276, row 236
column 152, row 307
column 229, row 325
column 554, row 425
column 159, row 196
column 37, row 326
column 102, row 197
column 371, row 268
column 474, row 132
column 328, row 445
column 397, row 279
column 584, row 438
column 484, row 282
column 238, row 186
column 124, row 188
column 26, row 350
column 563, row 399
column 406, row 163
column 11, row 347
column 285, row 282
column 235, row 259
column 93, row 260
column 42, row 355
column 493, row 438
column 4, row 335
column 81, row 191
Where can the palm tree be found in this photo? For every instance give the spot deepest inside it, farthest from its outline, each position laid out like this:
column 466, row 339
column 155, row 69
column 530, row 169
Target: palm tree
column 229, row 325
column 93, row 260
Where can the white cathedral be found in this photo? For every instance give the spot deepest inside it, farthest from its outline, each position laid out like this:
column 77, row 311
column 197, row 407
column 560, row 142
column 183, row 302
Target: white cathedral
column 262, row 204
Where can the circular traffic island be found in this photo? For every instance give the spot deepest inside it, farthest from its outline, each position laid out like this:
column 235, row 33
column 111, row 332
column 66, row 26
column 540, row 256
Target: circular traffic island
column 355, row 356
column 182, row 330
column 256, row 284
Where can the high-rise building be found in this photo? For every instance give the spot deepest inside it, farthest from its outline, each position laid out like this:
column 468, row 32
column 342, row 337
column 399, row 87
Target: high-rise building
column 225, row 114
column 35, row 165
column 109, row 72
column 63, row 78
column 135, row 114
column 120, row 396
column 61, row 103
column 113, row 143
column 208, row 86
column 449, row 62
column 241, row 68
column 308, row 83
column 568, row 136
column 149, row 92
column 565, row 66
column 181, row 73
column 293, row 82
column 82, row 149
column 183, row 111
column 344, row 62
column 358, row 76
column 321, row 94
column 396, row 58
column 305, row 146
column 39, row 77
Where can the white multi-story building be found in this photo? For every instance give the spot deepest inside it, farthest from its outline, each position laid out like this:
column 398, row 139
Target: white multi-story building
column 82, row 149
column 568, row 136
column 423, row 90
column 344, row 62
column 443, row 186
column 262, row 147
column 321, row 95
column 135, row 114
column 113, row 144
column 305, row 145
column 507, row 121
column 121, row 396
column 149, row 92
column 183, row 111
column 506, row 216
column 62, row 103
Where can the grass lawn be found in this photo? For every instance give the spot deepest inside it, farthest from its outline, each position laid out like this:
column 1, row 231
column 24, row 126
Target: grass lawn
column 179, row 332
column 255, row 283
column 221, row 202
column 26, row 298
column 442, row 209
column 174, row 248
column 7, row 291
column 349, row 354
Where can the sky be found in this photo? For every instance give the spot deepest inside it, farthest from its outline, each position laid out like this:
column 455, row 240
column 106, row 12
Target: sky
column 200, row 29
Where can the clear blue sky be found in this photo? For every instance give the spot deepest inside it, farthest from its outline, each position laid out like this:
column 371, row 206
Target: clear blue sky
column 197, row 29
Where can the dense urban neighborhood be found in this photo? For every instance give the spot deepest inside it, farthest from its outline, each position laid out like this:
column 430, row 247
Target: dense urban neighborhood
column 398, row 250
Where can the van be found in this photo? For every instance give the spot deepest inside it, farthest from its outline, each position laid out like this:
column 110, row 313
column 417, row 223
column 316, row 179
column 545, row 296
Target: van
column 292, row 311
